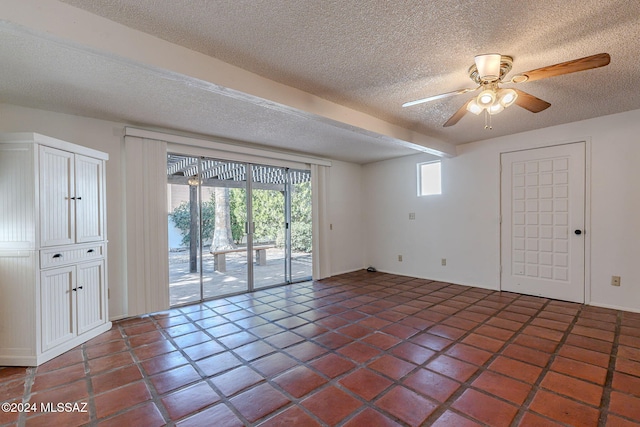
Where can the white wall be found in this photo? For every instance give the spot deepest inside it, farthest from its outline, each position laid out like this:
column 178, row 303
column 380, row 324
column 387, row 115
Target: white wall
column 343, row 210
column 345, row 216
column 462, row 224
column 100, row 135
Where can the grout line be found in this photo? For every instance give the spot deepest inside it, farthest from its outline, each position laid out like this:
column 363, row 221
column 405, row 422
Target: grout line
column 535, row 387
column 606, row 394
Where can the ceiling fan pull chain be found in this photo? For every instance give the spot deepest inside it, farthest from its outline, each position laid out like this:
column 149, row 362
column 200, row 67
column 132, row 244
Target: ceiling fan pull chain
column 487, row 120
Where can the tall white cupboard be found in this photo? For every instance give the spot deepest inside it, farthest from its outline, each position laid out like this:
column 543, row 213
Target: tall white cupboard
column 53, row 280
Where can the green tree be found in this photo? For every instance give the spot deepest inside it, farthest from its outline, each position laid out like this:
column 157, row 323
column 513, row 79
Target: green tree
column 181, row 217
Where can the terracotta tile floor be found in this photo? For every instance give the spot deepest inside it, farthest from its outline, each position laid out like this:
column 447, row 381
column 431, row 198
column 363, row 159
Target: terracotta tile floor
column 360, row 349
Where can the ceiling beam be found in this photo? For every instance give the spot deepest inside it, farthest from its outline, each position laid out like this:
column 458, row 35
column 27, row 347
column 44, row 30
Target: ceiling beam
column 83, row 30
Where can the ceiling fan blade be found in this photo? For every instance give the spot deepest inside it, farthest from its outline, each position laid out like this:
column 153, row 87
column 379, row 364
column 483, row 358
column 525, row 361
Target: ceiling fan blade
column 530, row 102
column 435, row 97
column 581, row 64
column 457, row 115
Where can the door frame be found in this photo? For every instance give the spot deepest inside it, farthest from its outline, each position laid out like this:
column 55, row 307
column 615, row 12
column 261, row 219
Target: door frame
column 249, row 225
column 529, row 145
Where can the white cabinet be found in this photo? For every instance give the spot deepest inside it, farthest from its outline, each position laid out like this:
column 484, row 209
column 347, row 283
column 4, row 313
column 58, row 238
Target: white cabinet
column 71, row 198
column 53, row 281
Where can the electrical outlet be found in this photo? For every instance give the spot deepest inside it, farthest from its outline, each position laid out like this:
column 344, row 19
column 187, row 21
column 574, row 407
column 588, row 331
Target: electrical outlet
column 412, row 215
column 400, row 258
column 615, row 280
column 444, row 261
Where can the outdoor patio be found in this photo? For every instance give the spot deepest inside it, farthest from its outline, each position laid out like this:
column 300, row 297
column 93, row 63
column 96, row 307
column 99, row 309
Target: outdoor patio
column 184, row 287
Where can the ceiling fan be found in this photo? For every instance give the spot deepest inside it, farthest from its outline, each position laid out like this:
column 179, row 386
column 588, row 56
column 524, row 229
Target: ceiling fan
column 489, row 72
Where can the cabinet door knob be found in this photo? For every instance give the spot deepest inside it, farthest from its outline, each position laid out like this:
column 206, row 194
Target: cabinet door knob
column 89, row 251
column 79, row 287
column 78, row 198
column 57, row 256
column 74, row 289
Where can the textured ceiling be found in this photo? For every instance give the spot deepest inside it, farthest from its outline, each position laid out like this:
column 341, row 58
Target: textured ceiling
column 368, row 56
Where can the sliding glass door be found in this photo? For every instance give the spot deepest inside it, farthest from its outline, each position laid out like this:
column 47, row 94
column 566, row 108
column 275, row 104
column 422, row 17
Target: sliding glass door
column 268, row 188
column 235, row 227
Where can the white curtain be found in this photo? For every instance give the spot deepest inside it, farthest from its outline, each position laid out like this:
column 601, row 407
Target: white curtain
column 146, row 225
column 320, row 217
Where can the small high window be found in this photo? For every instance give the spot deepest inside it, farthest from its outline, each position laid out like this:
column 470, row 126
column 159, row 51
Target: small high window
column 429, row 180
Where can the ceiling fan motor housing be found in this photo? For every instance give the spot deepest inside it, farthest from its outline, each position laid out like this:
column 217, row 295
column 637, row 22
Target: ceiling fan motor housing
column 506, row 63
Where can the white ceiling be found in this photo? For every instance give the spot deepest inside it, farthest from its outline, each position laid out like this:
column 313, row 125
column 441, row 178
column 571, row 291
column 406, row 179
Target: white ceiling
column 369, row 57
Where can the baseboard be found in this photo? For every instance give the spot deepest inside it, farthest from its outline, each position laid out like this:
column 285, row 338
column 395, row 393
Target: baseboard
column 614, row 307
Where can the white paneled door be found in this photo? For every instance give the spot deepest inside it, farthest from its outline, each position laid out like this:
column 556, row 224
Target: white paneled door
column 543, row 217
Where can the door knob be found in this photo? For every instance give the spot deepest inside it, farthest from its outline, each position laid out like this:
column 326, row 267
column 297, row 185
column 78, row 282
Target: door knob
column 578, row 232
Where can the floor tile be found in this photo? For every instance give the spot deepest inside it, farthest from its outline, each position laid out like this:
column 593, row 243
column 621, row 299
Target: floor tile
column 359, row 352
column 153, row 349
column 69, row 358
column 331, row 405
column 258, row 402
column 218, row 363
column 432, row 385
column 58, row 377
column 371, row 417
column 365, row 383
column 189, row 400
column 292, row 417
column 299, row 381
column 305, row 351
column 406, row 405
column 528, row 355
column 629, row 384
column 116, row 378
column 516, row 369
column 175, row 378
column 573, row 387
column 274, row 364
column 452, row 368
column 236, row 380
column 206, row 349
column 485, row 408
column 147, row 415
column 579, row 369
column 483, row 342
column 392, row 366
column 332, row 365
column 381, row 340
column 450, row 418
column 333, row 340
column 564, row 410
column 530, row 419
column 71, row 392
column 469, row 354
column 119, row 399
column 625, row 405
column 356, row 349
column 505, row 387
column 413, row 353
column 627, row 366
column 67, row 419
column 431, row 341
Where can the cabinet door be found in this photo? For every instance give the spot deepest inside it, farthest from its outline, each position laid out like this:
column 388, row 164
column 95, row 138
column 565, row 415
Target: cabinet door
column 57, row 302
column 89, row 199
column 90, row 296
column 56, row 192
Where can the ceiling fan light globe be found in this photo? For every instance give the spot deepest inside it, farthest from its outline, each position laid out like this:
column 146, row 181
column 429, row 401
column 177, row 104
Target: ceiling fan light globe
column 507, row 97
column 486, row 98
column 488, row 66
column 474, row 108
column 495, row 108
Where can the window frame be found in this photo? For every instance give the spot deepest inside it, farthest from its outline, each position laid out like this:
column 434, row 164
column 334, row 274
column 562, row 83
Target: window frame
column 420, row 172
